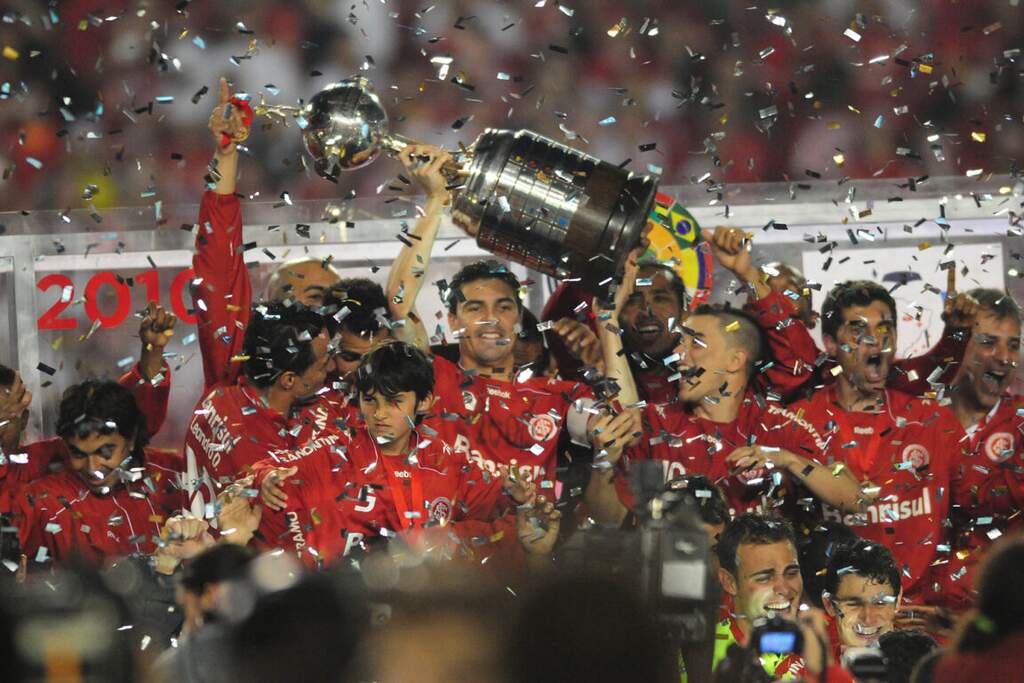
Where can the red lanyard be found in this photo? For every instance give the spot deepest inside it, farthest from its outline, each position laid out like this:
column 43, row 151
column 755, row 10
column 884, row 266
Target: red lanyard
column 862, row 458
column 409, row 516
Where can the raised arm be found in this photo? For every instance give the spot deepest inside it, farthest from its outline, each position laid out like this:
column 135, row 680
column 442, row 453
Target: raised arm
column 792, row 348
column 616, row 362
column 423, row 163
column 223, row 293
column 150, row 379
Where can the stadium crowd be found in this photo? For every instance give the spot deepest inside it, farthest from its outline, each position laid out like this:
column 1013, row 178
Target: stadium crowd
column 351, row 503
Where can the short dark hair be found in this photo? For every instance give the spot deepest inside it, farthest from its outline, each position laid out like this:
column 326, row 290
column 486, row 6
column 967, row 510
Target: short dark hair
column 868, row 559
column 903, row 649
column 815, row 549
column 747, row 333
column 490, row 269
column 707, row 498
column 279, row 339
column 365, row 302
column 221, row 562
column 393, row 368
column 997, row 302
column 851, row 293
column 7, row 376
column 751, row 529
column 675, row 282
column 102, row 407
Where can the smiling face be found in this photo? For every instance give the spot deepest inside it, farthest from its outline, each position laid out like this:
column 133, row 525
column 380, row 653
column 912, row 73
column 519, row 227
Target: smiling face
column 865, row 344
column 990, row 361
column 767, row 581
column 390, row 420
column 96, row 459
column 707, row 360
column 485, row 322
column 649, row 315
column 864, row 609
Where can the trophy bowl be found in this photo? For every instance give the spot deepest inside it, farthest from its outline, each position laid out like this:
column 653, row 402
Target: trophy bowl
column 345, row 127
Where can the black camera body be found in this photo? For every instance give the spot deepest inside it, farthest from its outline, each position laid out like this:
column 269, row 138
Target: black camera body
column 665, row 558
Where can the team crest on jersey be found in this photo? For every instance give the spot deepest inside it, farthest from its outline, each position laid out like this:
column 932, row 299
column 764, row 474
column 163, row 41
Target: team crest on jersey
column 441, row 510
column 542, row 427
column 469, row 399
column 916, row 455
column 999, row 446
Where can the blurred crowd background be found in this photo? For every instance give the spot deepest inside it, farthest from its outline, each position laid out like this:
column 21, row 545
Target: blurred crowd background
column 101, row 102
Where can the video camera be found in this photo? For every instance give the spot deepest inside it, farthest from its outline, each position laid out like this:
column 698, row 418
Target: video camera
column 665, row 557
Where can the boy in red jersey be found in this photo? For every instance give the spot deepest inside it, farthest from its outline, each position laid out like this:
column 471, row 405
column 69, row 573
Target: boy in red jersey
column 399, row 467
column 904, row 449
column 114, row 495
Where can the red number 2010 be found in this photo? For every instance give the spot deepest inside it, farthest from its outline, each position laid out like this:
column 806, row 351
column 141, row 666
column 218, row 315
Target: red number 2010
column 149, row 279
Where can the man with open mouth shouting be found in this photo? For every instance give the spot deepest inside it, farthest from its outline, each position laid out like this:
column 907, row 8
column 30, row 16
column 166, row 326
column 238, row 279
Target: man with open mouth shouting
column 988, row 486
column 903, row 449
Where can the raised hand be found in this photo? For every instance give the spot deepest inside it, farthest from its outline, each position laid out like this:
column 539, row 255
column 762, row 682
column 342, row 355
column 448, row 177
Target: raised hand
column 227, row 123
column 424, row 164
column 959, row 309
column 731, row 248
column 157, row 326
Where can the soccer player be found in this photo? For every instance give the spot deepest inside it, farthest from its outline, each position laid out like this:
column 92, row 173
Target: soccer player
column 904, row 449
column 988, row 487
column 862, row 593
column 238, row 424
column 753, row 450
column 115, row 493
column 148, row 381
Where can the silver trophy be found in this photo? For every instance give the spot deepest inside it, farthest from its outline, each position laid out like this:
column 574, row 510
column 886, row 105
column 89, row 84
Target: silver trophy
column 523, row 196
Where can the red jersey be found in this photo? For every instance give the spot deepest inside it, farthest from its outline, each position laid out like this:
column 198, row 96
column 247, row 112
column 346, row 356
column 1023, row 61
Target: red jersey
column 910, row 451
column 988, row 490
column 232, row 429
column 39, row 458
column 514, row 425
column 686, row 444
column 59, row 518
column 352, row 492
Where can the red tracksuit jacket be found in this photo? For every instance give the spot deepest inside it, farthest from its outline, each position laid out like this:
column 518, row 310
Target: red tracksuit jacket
column 59, row 518
column 912, row 452
column 686, row 444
